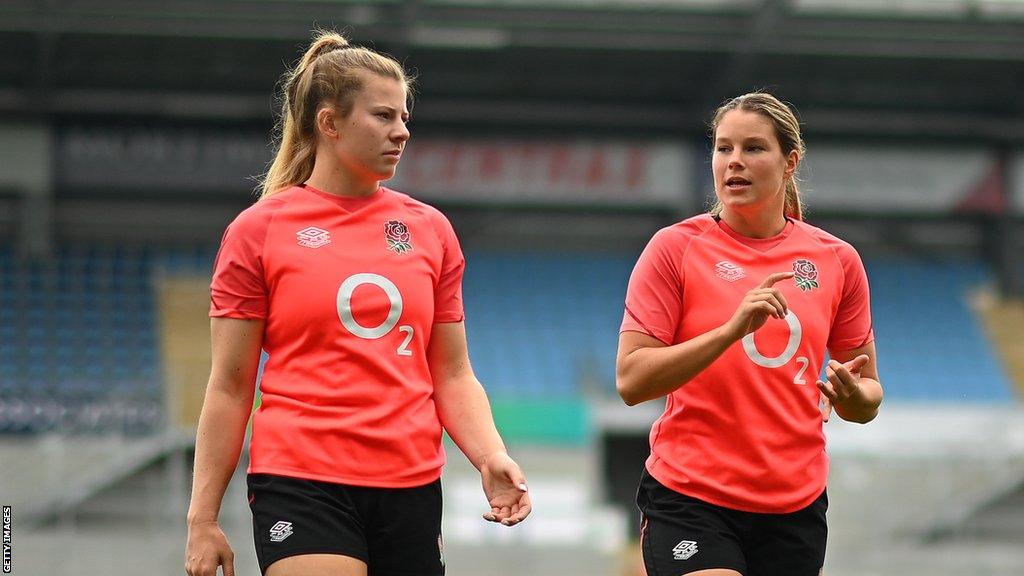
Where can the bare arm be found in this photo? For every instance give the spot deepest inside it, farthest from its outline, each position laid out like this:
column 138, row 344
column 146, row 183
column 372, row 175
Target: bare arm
column 853, row 388
column 466, row 414
column 227, row 405
column 646, row 368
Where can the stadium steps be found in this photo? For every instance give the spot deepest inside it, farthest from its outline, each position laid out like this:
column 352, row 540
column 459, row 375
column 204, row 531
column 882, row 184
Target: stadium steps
column 54, row 476
column 997, row 520
column 1003, row 320
column 154, row 492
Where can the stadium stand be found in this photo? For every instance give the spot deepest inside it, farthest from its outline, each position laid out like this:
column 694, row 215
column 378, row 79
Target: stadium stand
column 550, row 131
column 931, row 346
column 79, row 335
column 79, row 342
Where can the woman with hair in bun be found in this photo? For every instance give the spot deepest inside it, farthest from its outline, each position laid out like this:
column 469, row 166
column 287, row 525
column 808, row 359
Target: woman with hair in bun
column 355, row 293
column 728, row 316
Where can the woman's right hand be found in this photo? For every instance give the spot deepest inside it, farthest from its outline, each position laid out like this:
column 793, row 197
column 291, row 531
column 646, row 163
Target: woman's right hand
column 207, row 549
column 757, row 306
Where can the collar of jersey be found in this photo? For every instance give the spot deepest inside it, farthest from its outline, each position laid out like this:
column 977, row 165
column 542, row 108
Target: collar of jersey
column 346, row 203
column 759, row 244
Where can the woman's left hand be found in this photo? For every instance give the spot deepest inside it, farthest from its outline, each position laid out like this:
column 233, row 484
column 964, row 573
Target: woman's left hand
column 506, row 490
column 843, row 383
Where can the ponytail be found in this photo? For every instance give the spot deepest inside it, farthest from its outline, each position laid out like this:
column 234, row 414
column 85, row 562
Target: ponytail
column 327, row 74
column 793, row 207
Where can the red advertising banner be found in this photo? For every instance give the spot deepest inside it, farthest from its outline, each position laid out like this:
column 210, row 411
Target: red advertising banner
column 170, row 160
column 597, row 172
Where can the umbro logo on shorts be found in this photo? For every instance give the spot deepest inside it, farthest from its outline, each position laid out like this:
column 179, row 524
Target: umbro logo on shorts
column 684, row 550
column 280, row 531
column 728, row 271
column 313, row 237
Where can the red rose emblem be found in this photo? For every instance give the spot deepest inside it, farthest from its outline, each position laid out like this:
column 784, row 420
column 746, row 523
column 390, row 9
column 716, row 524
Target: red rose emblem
column 805, row 269
column 396, row 231
column 397, row 236
column 805, row 275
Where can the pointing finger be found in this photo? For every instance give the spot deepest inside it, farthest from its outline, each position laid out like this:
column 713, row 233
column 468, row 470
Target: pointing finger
column 772, row 279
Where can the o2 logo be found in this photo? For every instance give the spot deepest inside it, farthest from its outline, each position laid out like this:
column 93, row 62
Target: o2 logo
column 348, row 287
column 795, row 333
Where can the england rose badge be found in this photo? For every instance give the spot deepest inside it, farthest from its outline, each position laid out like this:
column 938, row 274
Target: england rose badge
column 805, row 274
column 396, row 233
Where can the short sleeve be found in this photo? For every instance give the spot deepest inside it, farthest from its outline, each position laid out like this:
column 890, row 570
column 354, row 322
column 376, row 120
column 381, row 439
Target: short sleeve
column 239, row 288
column 448, row 305
column 851, row 327
column 654, row 298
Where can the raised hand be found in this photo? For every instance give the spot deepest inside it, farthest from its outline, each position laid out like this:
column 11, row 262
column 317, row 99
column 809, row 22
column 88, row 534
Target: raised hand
column 758, row 305
column 505, row 488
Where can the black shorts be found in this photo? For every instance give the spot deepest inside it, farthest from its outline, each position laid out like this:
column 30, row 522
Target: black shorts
column 680, row 534
column 396, row 531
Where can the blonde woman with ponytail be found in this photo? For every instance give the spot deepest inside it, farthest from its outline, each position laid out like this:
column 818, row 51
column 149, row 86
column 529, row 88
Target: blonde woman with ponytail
column 355, row 293
column 729, row 316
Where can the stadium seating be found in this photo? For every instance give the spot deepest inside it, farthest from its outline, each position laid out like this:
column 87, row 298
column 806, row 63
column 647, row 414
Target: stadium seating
column 931, row 346
column 544, row 326
column 541, row 326
column 79, row 342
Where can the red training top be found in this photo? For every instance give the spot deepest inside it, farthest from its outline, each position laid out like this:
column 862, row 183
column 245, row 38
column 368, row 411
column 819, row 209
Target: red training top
column 350, row 289
column 746, row 433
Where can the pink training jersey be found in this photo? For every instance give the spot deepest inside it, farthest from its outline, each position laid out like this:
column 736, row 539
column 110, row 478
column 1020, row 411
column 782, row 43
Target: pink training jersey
column 746, row 433
column 349, row 289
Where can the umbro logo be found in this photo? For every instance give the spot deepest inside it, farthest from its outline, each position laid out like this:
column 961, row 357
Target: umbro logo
column 280, row 531
column 728, row 271
column 313, row 237
column 684, row 550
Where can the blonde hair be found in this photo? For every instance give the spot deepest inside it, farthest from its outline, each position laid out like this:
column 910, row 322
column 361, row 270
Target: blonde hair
column 329, row 73
column 787, row 130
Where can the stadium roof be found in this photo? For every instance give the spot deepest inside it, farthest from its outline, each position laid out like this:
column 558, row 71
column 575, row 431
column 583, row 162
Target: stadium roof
column 907, row 68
